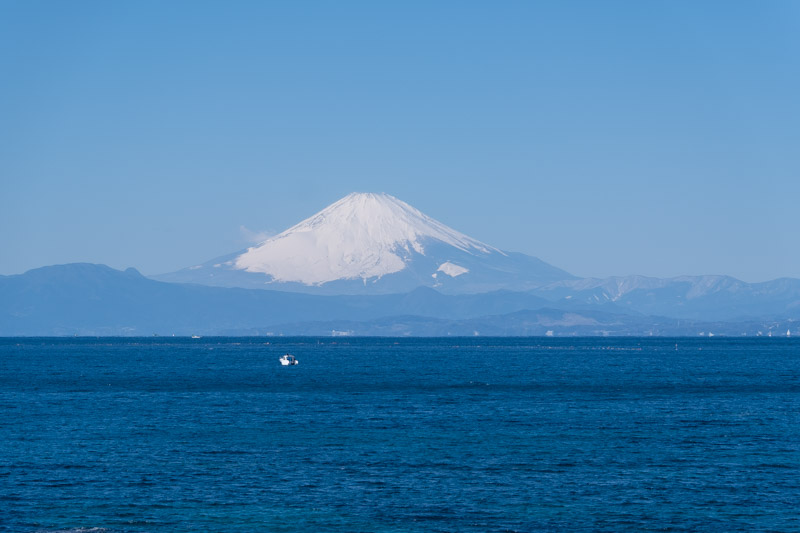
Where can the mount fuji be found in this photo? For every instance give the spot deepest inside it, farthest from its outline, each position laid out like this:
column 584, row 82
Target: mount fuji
column 370, row 243
column 373, row 265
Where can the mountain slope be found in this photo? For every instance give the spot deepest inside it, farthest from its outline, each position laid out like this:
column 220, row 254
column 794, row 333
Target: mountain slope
column 693, row 297
column 371, row 244
column 89, row 299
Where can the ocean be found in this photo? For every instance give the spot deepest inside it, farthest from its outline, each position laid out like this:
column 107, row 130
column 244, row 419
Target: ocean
column 399, row 435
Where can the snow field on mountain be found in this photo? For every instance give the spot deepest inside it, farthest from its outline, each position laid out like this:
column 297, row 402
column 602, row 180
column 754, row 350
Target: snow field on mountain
column 363, row 235
column 451, row 269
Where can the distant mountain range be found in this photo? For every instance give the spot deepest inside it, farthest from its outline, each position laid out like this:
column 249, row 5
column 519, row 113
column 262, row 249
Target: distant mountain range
column 371, row 264
column 695, row 297
column 86, row 299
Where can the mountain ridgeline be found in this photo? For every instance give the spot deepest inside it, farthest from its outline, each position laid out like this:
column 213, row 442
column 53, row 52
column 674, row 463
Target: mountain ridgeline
column 371, row 264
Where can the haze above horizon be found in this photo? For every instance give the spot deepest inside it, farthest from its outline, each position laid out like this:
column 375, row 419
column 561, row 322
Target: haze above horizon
column 605, row 138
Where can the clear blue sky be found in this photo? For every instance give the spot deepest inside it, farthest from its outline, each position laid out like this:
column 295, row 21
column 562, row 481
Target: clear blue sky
column 657, row 138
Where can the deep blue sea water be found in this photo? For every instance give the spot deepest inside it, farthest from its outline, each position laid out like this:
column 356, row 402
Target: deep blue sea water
column 391, row 435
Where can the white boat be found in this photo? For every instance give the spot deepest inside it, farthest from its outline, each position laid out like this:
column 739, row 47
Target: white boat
column 288, row 360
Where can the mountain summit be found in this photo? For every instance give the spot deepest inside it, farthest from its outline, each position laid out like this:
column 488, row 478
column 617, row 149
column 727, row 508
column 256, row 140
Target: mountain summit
column 375, row 243
column 362, row 236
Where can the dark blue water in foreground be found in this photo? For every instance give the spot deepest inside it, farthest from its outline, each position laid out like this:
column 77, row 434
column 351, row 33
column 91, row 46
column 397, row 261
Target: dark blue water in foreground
column 399, row 435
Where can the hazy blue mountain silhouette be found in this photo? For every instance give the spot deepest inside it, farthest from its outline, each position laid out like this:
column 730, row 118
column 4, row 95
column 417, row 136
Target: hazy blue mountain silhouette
column 695, row 297
column 88, row 299
column 98, row 300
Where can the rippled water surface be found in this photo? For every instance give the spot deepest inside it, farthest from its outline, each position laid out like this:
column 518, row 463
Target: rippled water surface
column 399, row 435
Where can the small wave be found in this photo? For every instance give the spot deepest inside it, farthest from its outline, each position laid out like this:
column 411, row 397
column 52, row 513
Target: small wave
column 76, row 530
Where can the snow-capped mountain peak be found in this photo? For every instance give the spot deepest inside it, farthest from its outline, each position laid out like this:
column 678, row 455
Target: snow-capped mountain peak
column 370, row 243
column 363, row 235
